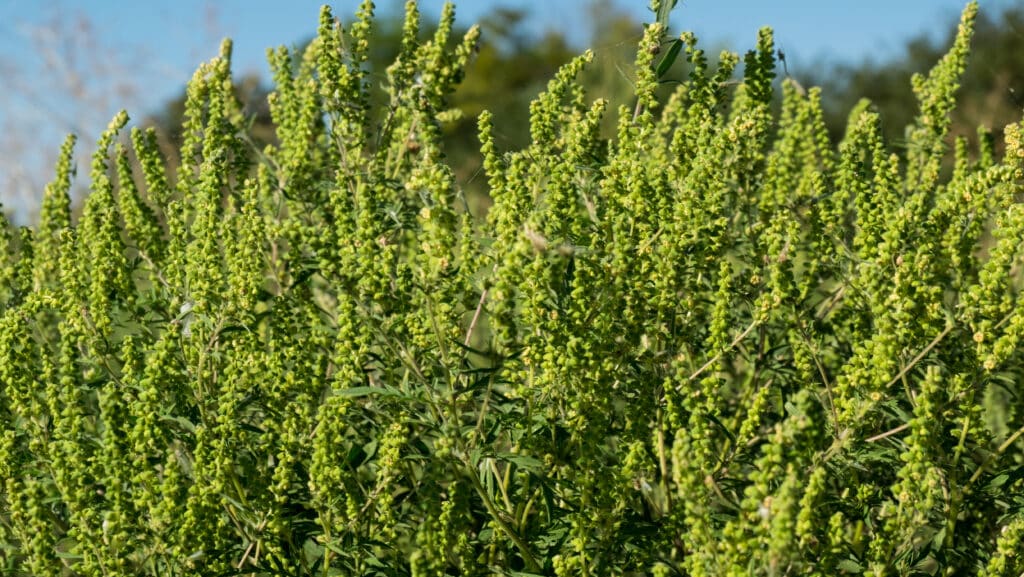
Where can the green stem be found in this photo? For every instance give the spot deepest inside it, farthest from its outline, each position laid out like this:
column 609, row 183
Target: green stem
column 523, row 546
column 1002, row 449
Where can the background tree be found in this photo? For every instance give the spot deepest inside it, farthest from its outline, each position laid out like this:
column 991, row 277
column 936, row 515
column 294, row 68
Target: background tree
column 991, row 93
column 511, row 67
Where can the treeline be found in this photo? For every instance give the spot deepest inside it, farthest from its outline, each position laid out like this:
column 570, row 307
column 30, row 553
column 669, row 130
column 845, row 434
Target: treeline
column 512, row 65
column 991, row 94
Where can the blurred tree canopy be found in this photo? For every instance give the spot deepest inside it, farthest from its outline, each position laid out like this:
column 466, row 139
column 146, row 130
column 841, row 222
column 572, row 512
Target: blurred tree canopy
column 513, row 65
column 991, row 94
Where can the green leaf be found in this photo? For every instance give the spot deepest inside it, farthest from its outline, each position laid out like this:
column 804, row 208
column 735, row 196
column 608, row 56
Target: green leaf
column 66, row 555
column 185, row 424
column 850, row 566
column 998, row 481
column 523, row 462
column 356, row 392
column 670, row 57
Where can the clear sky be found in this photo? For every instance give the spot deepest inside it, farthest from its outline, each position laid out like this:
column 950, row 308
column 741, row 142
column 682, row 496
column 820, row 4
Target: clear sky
column 178, row 34
column 141, row 53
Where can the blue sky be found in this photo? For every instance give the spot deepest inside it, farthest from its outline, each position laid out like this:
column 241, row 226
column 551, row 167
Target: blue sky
column 179, row 34
column 141, row 53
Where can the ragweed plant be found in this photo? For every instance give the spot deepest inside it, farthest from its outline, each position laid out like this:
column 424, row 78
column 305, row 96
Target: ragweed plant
column 713, row 344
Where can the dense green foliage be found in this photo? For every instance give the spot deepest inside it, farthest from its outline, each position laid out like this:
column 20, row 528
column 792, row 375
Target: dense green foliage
column 713, row 345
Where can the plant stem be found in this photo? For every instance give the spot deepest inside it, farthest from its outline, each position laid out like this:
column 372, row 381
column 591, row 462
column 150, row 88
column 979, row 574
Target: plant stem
column 523, row 546
column 1002, row 449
